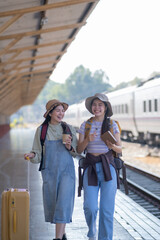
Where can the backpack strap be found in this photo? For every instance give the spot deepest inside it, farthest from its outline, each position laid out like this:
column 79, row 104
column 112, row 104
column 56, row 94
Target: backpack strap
column 88, row 126
column 80, row 174
column 124, row 178
column 44, row 128
column 118, row 126
column 111, row 129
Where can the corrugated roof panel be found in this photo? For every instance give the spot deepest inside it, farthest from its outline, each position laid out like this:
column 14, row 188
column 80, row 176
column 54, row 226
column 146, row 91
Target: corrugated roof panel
column 34, row 35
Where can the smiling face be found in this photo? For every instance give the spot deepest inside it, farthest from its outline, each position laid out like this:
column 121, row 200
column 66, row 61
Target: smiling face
column 57, row 114
column 98, row 108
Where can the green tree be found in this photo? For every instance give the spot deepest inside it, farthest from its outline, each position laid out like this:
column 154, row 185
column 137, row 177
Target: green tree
column 46, row 93
column 135, row 81
column 121, row 85
column 81, row 83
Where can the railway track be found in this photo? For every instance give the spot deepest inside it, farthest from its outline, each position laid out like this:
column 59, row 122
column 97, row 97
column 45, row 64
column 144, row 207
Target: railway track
column 144, row 188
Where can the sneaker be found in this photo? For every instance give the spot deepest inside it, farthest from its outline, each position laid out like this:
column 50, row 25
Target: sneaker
column 64, row 237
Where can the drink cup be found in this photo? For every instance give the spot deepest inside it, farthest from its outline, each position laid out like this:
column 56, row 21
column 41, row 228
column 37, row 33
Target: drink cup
column 64, row 138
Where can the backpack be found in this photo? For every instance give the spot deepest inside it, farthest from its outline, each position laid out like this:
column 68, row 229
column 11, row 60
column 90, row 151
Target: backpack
column 44, row 128
column 119, row 163
column 89, row 124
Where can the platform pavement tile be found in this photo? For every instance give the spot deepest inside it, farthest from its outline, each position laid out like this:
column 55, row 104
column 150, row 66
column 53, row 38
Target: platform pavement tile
column 139, row 218
column 130, row 227
column 119, row 233
column 135, row 226
column 137, row 208
column 39, row 230
column 135, row 235
column 139, row 224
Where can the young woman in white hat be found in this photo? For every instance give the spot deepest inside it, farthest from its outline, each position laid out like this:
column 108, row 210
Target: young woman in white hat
column 57, row 167
column 100, row 173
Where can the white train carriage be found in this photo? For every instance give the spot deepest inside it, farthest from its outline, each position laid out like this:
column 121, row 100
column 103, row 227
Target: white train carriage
column 123, row 110
column 136, row 108
column 76, row 114
column 71, row 115
column 147, row 110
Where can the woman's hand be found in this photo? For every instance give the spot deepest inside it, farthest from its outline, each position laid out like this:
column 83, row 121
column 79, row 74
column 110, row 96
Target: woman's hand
column 92, row 136
column 83, row 142
column 109, row 144
column 28, row 156
column 68, row 142
column 114, row 147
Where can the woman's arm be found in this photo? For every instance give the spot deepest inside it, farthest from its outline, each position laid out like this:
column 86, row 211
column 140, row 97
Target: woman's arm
column 83, row 142
column 35, row 154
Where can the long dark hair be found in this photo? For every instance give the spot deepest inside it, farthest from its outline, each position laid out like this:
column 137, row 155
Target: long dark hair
column 106, row 121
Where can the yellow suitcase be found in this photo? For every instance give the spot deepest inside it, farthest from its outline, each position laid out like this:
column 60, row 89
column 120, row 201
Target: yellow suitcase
column 15, row 214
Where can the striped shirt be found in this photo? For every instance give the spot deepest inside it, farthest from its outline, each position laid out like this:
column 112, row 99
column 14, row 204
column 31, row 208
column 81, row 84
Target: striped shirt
column 97, row 146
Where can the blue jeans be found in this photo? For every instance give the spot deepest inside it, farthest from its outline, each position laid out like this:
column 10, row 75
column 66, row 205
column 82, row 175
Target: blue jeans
column 106, row 205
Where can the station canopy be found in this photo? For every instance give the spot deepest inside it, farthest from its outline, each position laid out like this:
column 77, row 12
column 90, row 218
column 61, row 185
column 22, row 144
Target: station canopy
column 34, row 35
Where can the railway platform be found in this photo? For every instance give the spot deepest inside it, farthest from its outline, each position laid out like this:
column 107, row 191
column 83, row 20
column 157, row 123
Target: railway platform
column 131, row 221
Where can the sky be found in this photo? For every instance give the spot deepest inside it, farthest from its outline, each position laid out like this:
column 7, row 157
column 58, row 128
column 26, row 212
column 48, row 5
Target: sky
column 121, row 37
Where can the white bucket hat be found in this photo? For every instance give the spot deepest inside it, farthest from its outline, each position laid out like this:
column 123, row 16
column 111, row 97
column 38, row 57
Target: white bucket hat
column 103, row 98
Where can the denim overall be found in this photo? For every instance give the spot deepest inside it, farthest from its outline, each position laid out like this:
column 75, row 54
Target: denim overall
column 106, row 205
column 58, row 183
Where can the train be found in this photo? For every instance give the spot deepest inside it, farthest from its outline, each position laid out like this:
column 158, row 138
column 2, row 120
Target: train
column 137, row 109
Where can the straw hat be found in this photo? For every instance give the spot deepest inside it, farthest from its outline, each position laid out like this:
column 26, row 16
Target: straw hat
column 54, row 103
column 103, row 98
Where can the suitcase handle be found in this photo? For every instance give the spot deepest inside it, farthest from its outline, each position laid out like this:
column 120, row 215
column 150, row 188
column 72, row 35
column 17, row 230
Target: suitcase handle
column 14, row 222
column 12, row 215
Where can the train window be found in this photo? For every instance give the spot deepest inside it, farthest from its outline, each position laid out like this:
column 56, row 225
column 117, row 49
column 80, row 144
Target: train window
column 150, row 105
column 122, row 108
column 115, row 109
column 126, row 108
column 144, row 106
column 118, row 108
column 155, row 105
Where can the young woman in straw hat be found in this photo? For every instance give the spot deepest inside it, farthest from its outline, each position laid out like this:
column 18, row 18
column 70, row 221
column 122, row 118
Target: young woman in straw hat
column 99, row 168
column 57, row 168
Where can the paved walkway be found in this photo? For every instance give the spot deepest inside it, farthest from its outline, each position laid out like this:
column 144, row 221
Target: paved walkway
column 39, row 230
column 131, row 220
